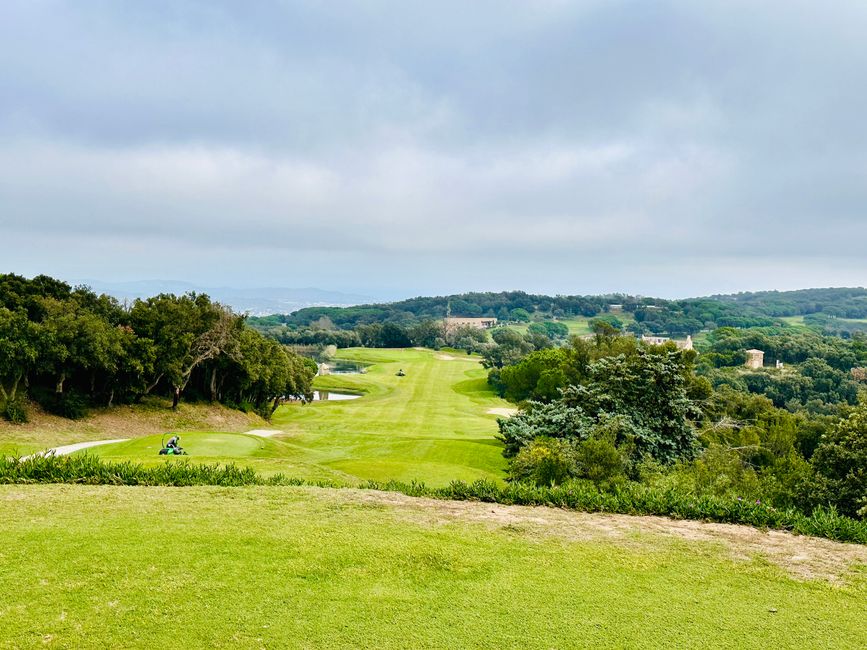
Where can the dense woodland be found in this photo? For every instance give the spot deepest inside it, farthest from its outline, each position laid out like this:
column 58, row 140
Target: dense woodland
column 834, row 311
column 69, row 350
column 613, row 409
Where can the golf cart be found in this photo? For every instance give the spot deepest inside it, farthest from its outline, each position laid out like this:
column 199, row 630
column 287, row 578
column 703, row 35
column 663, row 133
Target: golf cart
column 171, row 448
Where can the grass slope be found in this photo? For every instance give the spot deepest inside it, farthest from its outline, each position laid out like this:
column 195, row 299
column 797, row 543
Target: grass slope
column 312, row 568
column 432, row 425
column 151, row 417
column 578, row 326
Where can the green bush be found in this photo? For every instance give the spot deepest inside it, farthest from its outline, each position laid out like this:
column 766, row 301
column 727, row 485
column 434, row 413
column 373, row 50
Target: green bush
column 720, row 471
column 14, row 410
column 69, row 404
column 545, row 461
column 840, row 463
column 600, row 461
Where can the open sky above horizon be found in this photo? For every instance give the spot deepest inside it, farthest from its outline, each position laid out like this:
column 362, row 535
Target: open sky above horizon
column 666, row 148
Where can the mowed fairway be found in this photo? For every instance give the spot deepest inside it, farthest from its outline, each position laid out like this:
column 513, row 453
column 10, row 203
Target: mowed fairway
column 431, row 425
column 133, row 567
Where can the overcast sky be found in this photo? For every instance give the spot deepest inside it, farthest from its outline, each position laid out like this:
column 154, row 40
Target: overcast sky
column 404, row 148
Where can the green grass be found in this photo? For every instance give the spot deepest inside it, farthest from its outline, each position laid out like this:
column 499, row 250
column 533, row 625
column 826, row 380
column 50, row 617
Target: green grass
column 311, row 568
column 794, row 321
column 431, row 425
column 578, row 325
column 19, row 448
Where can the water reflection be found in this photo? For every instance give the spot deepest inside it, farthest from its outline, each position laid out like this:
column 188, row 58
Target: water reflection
column 332, row 396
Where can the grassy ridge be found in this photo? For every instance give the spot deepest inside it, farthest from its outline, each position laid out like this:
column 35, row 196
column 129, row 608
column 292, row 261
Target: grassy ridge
column 632, row 499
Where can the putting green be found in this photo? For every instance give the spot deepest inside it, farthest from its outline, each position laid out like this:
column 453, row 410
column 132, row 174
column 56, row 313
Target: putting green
column 431, row 425
column 198, row 445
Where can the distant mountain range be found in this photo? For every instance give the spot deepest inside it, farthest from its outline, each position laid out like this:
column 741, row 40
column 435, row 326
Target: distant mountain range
column 260, row 301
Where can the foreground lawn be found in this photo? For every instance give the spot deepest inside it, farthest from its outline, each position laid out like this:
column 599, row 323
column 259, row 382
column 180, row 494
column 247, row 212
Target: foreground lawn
column 85, row 567
column 431, row 425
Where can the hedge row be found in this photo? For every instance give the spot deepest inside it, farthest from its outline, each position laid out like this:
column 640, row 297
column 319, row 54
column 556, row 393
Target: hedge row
column 628, row 499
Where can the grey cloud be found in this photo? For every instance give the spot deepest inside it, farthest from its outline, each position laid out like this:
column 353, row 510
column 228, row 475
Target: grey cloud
column 553, row 145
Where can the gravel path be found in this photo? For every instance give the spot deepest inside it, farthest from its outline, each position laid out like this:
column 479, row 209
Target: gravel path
column 68, row 449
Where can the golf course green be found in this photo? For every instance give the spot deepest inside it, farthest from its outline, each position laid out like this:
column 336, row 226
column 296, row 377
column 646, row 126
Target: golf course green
column 433, row 424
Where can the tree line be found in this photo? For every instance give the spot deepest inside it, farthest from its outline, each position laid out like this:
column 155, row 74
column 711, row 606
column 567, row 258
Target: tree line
column 613, row 410
column 70, row 349
column 650, row 315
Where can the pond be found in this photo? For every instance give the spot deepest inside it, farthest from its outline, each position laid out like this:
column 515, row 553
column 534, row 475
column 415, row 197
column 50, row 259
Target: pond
column 344, row 367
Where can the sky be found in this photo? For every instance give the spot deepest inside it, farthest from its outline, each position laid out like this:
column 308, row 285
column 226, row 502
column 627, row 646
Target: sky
column 396, row 149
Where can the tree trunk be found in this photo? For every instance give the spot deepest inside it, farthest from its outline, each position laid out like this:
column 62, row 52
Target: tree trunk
column 153, row 385
column 110, row 398
column 176, row 397
column 277, row 401
column 59, row 389
column 214, row 384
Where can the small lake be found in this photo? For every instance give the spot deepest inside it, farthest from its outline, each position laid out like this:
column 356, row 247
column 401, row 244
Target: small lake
column 332, row 396
column 344, row 367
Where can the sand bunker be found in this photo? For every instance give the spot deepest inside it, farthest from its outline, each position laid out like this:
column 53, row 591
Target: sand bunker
column 263, row 433
column 504, row 412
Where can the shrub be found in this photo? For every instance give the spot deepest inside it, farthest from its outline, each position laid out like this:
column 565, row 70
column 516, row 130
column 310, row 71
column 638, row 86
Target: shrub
column 721, row 471
column 14, row 410
column 545, row 461
column 840, row 462
column 69, row 404
column 600, row 461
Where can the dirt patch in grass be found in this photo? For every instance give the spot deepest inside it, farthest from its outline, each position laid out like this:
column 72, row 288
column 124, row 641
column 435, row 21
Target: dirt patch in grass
column 802, row 557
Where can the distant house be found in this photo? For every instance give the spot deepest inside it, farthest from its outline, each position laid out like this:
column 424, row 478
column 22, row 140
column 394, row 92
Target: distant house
column 755, row 359
column 685, row 344
column 615, row 308
column 453, row 323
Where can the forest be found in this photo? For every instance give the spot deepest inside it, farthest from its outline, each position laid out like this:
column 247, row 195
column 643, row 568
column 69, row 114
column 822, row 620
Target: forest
column 615, row 410
column 69, row 349
column 834, row 311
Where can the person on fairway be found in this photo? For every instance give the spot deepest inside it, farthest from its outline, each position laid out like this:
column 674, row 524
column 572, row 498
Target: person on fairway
column 173, row 442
